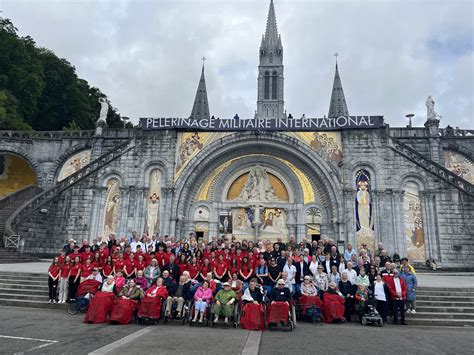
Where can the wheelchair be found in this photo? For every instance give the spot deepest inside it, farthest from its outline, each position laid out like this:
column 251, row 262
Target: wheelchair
column 207, row 314
column 234, row 318
column 185, row 316
column 78, row 306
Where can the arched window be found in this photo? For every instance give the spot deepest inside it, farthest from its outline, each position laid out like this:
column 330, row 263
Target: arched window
column 414, row 232
column 274, row 85
column 267, row 86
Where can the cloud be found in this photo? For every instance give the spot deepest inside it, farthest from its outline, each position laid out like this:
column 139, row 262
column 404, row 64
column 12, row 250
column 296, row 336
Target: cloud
column 145, row 55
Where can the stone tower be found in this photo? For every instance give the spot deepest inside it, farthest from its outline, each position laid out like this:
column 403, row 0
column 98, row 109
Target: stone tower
column 201, row 104
column 337, row 106
column 270, row 101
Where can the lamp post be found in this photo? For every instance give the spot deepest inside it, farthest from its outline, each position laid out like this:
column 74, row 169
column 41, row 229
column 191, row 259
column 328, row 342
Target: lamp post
column 409, row 116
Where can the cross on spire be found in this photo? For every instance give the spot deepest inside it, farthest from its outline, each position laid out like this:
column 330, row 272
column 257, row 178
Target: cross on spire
column 336, row 55
column 203, row 60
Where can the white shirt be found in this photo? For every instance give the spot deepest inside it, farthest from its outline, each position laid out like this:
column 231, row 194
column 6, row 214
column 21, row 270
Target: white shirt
column 398, row 287
column 328, row 266
column 134, row 245
column 351, row 275
column 379, row 291
column 313, row 267
column 291, row 271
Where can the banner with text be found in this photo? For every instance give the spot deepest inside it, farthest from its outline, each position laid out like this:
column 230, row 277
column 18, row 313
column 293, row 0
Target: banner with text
column 262, row 124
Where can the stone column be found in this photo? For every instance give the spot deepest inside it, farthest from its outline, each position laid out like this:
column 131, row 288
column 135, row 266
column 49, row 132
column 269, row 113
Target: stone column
column 122, row 223
column 165, row 216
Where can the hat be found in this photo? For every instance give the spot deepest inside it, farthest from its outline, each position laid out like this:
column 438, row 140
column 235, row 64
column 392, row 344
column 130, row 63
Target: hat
column 281, row 282
column 95, row 269
column 225, row 284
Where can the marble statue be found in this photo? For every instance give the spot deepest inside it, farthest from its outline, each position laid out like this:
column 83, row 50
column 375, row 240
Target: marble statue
column 257, row 187
column 430, row 111
column 101, row 121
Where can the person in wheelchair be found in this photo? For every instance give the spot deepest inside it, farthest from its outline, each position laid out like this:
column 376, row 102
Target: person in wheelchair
column 252, row 311
column 178, row 294
column 279, row 308
column 224, row 303
column 253, row 294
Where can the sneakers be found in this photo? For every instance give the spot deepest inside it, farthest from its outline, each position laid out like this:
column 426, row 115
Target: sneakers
column 226, row 320
column 413, row 311
column 50, row 301
column 408, row 311
column 216, row 319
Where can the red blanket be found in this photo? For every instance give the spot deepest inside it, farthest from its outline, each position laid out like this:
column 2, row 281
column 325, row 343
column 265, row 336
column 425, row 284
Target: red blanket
column 100, row 307
column 278, row 312
column 333, row 307
column 88, row 286
column 150, row 308
column 252, row 317
column 123, row 311
column 310, row 302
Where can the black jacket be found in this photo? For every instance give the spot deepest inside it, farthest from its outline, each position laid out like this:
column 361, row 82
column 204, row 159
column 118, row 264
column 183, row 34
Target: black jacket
column 173, row 270
column 280, row 295
column 299, row 271
column 185, row 293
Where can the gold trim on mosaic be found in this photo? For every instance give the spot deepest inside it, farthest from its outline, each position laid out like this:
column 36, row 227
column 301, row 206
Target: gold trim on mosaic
column 278, row 186
column 74, row 163
column 459, row 165
column 326, row 144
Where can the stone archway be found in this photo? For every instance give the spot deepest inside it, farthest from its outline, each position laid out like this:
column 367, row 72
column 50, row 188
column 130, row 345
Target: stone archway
column 16, row 173
column 243, row 144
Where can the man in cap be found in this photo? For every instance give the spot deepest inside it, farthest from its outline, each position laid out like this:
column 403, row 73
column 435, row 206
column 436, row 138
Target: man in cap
column 224, row 305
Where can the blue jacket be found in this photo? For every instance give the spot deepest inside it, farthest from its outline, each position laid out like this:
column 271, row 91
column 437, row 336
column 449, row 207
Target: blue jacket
column 412, row 284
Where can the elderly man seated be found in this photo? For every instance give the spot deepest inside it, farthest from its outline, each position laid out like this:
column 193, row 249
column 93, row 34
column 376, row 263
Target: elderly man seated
column 224, row 305
column 178, row 294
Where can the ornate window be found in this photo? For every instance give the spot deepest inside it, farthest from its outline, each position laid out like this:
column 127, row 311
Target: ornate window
column 274, row 85
column 363, row 210
column 267, row 86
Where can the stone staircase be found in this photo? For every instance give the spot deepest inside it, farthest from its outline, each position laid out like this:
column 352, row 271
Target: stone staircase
column 439, row 171
column 25, row 290
column 12, row 256
column 441, row 306
column 11, row 202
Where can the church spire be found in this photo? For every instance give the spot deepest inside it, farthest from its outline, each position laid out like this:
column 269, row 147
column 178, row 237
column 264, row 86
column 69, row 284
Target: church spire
column 271, row 33
column 201, row 104
column 337, row 106
column 270, row 100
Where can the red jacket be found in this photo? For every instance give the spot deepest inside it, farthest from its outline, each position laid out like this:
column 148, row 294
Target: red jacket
column 391, row 286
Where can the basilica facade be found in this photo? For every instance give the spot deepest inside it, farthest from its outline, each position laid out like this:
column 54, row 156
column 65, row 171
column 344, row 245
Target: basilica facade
column 411, row 188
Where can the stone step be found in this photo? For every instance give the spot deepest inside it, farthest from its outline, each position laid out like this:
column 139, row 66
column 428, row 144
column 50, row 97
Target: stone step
column 444, row 293
column 26, row 283
column 19, row 291
column 20, row 276
column 435, row 289
column 440, row 315
column 23, row 286
column 445, row 304
column 444, row 309
column 32, row 304
column 441, row 322
column 25, row 297
column 445, row 298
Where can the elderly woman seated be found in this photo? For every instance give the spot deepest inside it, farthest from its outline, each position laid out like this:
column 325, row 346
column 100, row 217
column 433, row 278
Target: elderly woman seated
column 224, row 305
column 102, row 303
column 152, row 272
column 202, row 297
column 150, row 307
column 126, row 304
column 309, row 295
column 252, row 311
column 333, row 305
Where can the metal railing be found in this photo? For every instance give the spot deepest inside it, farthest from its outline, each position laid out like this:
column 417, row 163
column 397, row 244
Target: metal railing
column 12, row 241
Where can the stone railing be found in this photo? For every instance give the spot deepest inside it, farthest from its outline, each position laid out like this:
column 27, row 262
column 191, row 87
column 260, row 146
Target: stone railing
column 40, row 200
column 456, row 132
column 46, row 134
column 430, row 166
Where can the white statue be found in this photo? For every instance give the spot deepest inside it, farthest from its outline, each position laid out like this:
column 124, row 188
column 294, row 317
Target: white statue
column 104, row 109
column 430, row 111
column 257, row 187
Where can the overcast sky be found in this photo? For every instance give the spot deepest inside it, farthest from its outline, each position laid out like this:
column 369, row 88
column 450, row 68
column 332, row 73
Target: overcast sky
column 145, row 55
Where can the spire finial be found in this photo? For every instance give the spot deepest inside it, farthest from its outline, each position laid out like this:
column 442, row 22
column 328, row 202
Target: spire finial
column 336, row 55
column 203, row 60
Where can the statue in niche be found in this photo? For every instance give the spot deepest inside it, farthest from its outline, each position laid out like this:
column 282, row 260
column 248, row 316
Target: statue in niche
column 363, row 210
column 257, row 187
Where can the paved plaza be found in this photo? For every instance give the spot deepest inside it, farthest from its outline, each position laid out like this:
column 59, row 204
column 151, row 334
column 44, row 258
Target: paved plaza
column 38, row 331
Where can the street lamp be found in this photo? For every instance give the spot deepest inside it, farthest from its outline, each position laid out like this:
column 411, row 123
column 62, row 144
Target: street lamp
column 409, row 116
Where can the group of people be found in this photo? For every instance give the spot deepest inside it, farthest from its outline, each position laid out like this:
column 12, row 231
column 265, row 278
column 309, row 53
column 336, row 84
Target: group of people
column 225, row 272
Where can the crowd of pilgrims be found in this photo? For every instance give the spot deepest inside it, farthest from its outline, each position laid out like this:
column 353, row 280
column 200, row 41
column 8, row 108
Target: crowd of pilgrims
column 191, row 269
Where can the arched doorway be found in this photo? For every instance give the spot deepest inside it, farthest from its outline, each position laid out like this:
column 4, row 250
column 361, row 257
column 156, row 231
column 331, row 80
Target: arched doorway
column 217, row 177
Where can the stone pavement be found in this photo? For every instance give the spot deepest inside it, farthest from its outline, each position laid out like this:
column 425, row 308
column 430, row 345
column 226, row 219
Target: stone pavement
column 40, row 331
